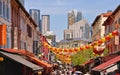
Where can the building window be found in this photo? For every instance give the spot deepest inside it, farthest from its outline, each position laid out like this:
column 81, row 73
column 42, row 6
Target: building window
column 23, row 45
column 4, row 10
column 68, row 36
column 7, row 13
column 29, row 31
column 119, row 21
column 76, row 45
column 81, row 28
column 0, row 7
column 35, row 47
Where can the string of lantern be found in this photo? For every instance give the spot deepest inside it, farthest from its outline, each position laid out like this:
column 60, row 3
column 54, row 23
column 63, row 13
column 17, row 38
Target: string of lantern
column 60, row 51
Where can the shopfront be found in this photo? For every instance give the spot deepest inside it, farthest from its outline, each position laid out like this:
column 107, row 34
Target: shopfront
column 107, row 67
column 14, row 64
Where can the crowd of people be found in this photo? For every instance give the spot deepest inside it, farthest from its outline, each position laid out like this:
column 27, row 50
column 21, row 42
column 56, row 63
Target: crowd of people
column 76, row 70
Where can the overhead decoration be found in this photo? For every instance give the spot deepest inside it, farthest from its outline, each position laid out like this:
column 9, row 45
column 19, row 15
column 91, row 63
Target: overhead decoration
column 94, row 45
column 98, row 50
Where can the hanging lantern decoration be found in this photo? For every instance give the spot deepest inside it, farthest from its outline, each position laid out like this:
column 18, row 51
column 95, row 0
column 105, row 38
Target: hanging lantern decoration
column 78, row 49
column 90, row 46
column 100, row 41
column 49, row 47
column 87, row 46
column 45, row 44
column 98, row 50
column 65, row 50
column 103, row 40
column 110, row 34
column 84, row 48
column 94, row 45
column 75, row 49
column 107, row 37
column 115, row 32
column 81, row 48
column 70, row 50
column 57, row 52
column 60, row 49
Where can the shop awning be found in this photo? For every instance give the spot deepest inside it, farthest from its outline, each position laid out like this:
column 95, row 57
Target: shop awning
column 21, row 60
column 107, row 64
column 39, row 62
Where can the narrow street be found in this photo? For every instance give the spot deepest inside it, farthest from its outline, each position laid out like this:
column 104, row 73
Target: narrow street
column 59, row 37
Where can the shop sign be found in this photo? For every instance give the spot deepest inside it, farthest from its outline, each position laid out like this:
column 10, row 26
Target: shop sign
column 3, row 34
column 116, row 40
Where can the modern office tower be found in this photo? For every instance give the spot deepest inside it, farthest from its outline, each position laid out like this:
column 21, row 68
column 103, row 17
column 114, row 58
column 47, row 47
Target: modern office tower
column 78, row 17
column 73, row 17
column 80, row 29
column 35, row 14
column 45, row 24
column 22, row 2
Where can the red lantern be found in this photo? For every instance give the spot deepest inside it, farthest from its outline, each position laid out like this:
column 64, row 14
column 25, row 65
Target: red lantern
column 100, row 41
column 107, row 37
column 81, row 48
column 60, row 50
column 70, row 50
column 87, row 46
column 75, row 49
column 65, row 50
column 98, row 50
column 115, row 32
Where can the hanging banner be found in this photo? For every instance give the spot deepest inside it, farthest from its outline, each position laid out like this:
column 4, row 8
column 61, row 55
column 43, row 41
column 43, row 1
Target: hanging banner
column 116, row 40
column 3, row 34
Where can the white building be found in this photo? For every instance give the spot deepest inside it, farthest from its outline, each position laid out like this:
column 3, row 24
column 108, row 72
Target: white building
column 80, row 29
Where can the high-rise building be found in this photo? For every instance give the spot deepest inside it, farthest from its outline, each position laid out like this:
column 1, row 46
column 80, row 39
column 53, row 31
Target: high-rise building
column 73, row 17
column 78, row 17
column 80, row 29
column 35, row 14
column 45, row 24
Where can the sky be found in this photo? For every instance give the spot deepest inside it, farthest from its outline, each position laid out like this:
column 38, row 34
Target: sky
column 58, row 11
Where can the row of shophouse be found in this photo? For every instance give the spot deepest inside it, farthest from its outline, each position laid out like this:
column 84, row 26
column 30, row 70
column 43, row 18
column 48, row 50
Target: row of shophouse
column 20, row 41
column 104, row 24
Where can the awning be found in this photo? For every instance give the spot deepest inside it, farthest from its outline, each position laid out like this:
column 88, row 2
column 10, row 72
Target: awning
column 107, row 64
column 39, row 62
column 21, row 60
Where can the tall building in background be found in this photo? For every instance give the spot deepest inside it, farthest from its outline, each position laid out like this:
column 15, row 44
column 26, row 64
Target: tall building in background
column 78, row 32
column 78, row 17
column 80, row 29
column 73, row 17
column 35, row 14
column 45, row 24
column 22, row 2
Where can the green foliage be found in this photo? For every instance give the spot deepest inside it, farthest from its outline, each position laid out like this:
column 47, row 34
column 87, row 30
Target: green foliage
column 82, row 56
column 105, row 52
column 85, row 55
